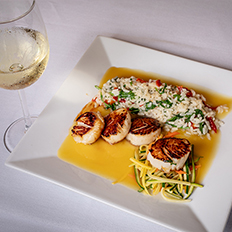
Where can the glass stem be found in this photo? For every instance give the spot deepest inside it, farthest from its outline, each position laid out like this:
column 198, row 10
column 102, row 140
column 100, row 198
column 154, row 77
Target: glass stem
column 26, row 114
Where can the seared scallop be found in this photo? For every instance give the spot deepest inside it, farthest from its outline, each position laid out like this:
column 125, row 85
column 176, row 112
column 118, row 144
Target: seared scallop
column 87, row 127
column 169, row 153
column 143, row 131
column 117, row 126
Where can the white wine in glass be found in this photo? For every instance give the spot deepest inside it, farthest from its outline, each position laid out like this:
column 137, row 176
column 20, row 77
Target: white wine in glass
column 24, row 53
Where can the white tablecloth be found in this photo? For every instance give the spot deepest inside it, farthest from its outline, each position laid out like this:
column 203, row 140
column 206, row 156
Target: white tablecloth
column 200, row 30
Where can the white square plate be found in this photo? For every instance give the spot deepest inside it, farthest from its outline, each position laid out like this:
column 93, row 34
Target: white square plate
column 37, row 152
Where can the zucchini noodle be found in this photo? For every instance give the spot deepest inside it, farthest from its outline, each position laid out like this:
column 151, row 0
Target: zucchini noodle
column 173, row 186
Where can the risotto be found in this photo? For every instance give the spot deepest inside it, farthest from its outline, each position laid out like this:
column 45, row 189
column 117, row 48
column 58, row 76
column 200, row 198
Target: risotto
column 176, row 107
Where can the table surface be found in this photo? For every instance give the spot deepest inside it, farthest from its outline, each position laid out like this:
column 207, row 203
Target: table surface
column 199, row 30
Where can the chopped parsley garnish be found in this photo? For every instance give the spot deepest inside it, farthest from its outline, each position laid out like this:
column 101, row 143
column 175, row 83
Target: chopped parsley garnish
column 149, row 106
column 161, row 91
column 134, row 110
column 165, row 103
column 111, row 106
column 129, row 95
column 97, row 87
column 178, row 96
column 178, row 116
column 170, row 124
column 201, row 126
column 187, row 117
column 198, row 111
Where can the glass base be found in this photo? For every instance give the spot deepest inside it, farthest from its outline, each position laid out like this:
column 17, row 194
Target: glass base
column 15, row 132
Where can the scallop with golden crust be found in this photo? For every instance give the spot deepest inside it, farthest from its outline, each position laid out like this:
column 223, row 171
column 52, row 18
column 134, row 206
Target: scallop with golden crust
column 143, row 131
column 117, row 126
column 169, row 153
column 87, row 127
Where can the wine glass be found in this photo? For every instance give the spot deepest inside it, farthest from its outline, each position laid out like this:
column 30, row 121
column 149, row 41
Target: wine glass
column 24, row 53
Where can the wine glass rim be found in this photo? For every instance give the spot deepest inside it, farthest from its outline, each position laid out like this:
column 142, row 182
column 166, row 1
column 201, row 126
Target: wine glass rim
column 21, row 16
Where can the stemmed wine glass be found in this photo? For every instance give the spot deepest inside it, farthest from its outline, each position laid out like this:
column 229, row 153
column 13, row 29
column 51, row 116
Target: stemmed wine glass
column 24, row 53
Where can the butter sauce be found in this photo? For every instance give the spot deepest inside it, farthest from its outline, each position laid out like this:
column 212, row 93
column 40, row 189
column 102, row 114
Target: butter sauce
column 112, row 161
